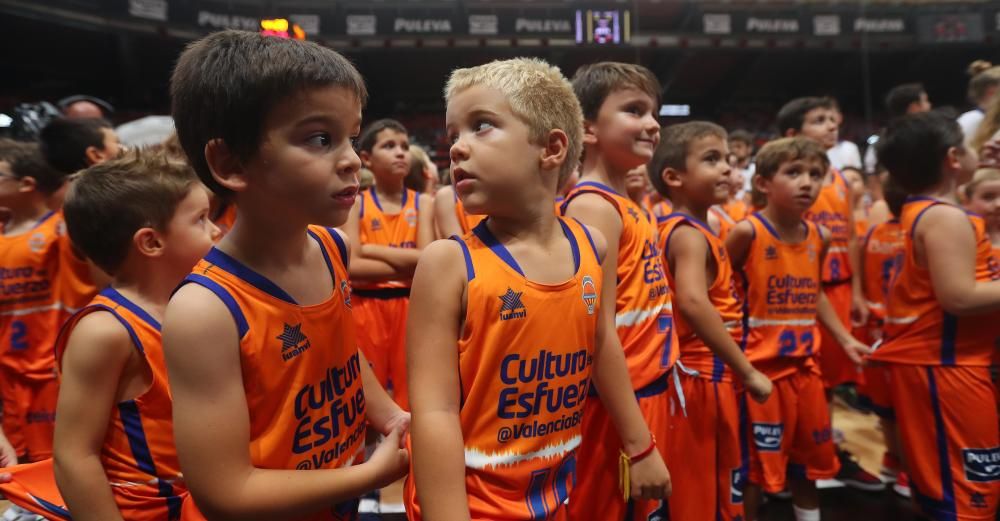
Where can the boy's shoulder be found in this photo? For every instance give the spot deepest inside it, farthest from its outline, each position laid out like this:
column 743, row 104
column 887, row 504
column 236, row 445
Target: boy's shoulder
column 98, row 337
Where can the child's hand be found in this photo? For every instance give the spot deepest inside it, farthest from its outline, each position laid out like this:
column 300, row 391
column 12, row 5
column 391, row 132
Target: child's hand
column 649, row 478
column 389, row 462
column 758, row 385
column 856, row 351
column 399, row 421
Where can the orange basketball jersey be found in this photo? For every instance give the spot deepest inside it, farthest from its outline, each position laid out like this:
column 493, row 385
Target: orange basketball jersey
column 398, row 230
column 467, row 221
column 694, row 354
column 642, row 306
column 917, row 330
column 139, row 456
column 781, row 285
column 832, row 211
column 524, row 382
column 882, row 245
column 306, row 403
column 37, row 276
column 662, row 208
column 726, row 222
column 736, row 209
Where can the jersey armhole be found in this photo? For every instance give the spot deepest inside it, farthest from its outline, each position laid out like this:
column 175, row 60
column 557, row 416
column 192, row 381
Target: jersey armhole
column 242, row 326
column 575, row 194
column 63, row 339
column 341, row 247
column 590, row 239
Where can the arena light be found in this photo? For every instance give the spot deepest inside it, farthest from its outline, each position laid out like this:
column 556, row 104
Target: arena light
column 675, row 110
column 280, row 28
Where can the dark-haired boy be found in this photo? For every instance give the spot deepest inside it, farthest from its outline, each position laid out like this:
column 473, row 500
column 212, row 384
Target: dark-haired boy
column 388, row 227
column 941, row 325
column 39, row 279
column 707, row 438
column 265, row 373
column 620, row 103
column 70, row 145
column 816, row 119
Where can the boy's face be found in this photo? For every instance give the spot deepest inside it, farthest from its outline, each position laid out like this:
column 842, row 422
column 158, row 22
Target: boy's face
column 190, row 232
column 968, row 161
column 921, row 105
column 986, row 202
column 306, row 168
column 795, row 186
column 820, row 124
column 493, row 159
column 706, row 179
column 390, row 155
column 626, row 131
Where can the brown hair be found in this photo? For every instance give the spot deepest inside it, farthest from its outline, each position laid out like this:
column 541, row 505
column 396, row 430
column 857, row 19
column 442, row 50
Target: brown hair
column 225, row 85
column 593, row 84
column 984, row 76
column 26, row 160
column 780, row 151
column 673, row 149
column 107, row 203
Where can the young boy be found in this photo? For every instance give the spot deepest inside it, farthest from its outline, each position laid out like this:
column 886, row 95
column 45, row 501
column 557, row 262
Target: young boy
column 781, row 256
column 816, row 118
column 40, row 275
column 707, row 412
column 70, row 145
column 387, row 230
column 145, row 221
column 880, row 249
column 264, row 369
column 620, row 132
column 498, row 393
column 941, row 325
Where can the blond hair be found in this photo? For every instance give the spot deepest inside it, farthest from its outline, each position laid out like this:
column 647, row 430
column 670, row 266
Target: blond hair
column 539, row 95
column 981, row 176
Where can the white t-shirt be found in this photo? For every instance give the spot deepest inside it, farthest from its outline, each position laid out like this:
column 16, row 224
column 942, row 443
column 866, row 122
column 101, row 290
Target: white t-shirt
column 970, row 123
column 844, row 154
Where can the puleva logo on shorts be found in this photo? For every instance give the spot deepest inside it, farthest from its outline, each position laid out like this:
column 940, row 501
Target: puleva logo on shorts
column 293, row 342
column 767, row 436
column 512, row 306
column 981, row 465
column 589, row 294
column 736, row 485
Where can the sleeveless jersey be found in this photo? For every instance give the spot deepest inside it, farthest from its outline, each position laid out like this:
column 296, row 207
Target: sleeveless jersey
column 882, row 245
column 736, row 209
column 524, row 382
column 832, row 210
column 467, row 221
column 306, row 403
column 396, row 230
column 917, row 330
column 642, row 305
column 726, row 222
column 781, row 285
column 694, row 354
column 40, row 288
column 662, row 208
column 139, row 456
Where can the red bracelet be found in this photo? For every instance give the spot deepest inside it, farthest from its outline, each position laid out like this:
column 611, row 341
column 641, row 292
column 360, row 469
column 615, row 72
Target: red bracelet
column 646, row 452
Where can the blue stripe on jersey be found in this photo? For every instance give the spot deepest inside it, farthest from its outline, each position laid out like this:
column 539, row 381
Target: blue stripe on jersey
column 573, row 246
column 113, row 295
column 51, row 507
column 237, row 268
column 470, row 270
column 326, row 258
column 947, row 506
column 949, row 330
column 132, row 422
column 590, row 239
column 486, row 236
column 341, row 247
column 242, row 326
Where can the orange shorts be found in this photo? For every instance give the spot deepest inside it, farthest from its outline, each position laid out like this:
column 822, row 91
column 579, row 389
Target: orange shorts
column 708, row 450
column 873, row 394
column 381, row 333
column 834, row 364
column 947, row 421
column 29, row 415
column 33, row 487
column 790, row 433
column 596, row 495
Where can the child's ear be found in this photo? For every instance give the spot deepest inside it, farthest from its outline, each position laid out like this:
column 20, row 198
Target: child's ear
column 366, row 159
column 671, row 177
column 27, row 184
column 94, row 155
column 148, row 242
column 555, row 149
column 226, row 167
column 761, row 184
column 589, row 133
